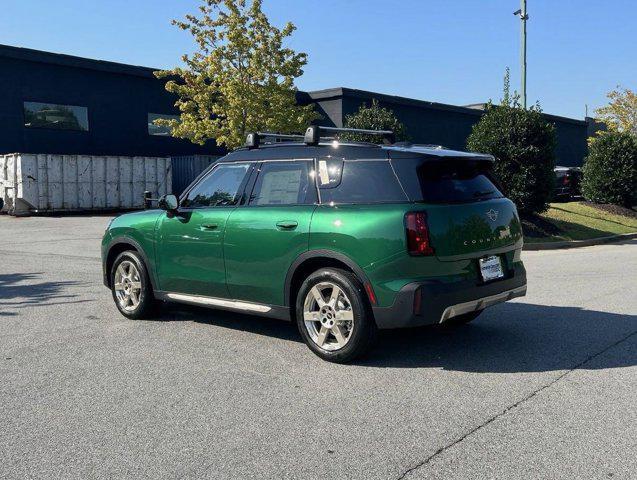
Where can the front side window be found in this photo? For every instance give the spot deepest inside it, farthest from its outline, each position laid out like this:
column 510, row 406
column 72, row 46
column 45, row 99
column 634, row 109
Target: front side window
column 160, row 130
column 59, row 117
column 284, row 183
column 364, row 181
column 219, row 188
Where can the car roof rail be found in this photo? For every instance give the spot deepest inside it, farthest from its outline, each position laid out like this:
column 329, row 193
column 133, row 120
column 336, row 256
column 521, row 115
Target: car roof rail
column 314, row 133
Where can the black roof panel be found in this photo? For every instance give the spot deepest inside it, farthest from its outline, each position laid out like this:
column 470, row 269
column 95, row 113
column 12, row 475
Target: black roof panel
column 298, row 150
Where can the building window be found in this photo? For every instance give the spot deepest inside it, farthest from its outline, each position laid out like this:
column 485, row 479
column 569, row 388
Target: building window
column 160, row 130
column 59, row 117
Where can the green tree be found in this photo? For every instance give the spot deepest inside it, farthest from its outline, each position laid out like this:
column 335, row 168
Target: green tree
column 373, row 117
column 523, row 144
column 610, row 170
column 621, row 112
column 240, row 80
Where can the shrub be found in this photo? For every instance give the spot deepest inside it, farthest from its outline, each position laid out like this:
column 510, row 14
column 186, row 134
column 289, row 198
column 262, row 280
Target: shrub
column 523, row 143
column 373, row 117
column 610, row 170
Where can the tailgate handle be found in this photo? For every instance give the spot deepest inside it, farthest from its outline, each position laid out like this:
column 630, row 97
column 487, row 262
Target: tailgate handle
column 287, row 224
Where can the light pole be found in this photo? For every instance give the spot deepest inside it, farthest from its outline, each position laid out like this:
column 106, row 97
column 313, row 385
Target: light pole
column 523, row 18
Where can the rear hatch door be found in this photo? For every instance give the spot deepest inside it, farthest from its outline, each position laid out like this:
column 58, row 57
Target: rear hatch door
column 473, row 229
column 467, row 214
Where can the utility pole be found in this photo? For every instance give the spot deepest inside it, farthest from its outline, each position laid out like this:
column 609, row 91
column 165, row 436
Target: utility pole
column 523, row 18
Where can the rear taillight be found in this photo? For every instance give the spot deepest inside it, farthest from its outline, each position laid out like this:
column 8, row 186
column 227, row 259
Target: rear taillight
column 418, row 242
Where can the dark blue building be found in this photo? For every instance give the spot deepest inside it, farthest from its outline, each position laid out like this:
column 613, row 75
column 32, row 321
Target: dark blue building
column 441, row 124
column 52, row 103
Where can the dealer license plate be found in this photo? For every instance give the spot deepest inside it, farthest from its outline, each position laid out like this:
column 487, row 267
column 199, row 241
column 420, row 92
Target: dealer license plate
column 491, row 268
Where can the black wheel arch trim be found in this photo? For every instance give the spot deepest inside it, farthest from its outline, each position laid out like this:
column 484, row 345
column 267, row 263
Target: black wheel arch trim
column 138, row 248
column 321, row 253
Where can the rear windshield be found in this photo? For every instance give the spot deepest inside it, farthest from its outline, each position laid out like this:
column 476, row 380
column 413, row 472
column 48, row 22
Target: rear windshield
column 448, row 181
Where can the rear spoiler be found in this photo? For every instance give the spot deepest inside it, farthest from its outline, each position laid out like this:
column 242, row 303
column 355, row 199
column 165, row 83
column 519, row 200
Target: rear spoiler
column 468, row 158
column 434, row 152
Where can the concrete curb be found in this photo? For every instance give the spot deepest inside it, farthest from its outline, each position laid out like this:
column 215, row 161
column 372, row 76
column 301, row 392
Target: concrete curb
column 578, row 243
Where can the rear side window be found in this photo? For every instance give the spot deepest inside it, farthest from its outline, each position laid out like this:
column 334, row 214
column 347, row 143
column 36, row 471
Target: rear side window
column 362, row 181
column 218, row 188
column 446, row 181
column 284, row 183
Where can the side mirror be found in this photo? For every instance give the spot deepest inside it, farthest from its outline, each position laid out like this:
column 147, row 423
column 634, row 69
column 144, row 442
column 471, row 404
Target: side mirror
column 168, row 203
column 148, row 200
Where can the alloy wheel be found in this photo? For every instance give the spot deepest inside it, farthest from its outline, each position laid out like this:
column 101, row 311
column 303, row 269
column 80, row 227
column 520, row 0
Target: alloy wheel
column 128, row 285
column 328, row 316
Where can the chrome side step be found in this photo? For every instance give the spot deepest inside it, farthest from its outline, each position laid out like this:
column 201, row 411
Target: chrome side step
column 216, row 302
column 480, row 303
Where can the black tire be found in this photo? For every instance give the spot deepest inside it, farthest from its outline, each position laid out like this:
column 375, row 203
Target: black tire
column 462, row 319
column 145, row 307
column 364, row 329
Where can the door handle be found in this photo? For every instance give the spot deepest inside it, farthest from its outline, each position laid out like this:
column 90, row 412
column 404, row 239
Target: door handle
column 287, row 224
column 208, row 226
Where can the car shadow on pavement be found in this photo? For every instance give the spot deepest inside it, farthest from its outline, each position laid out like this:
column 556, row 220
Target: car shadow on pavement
column 21, row 290
column 511, row 337
column 258, row 325
column 507, row 338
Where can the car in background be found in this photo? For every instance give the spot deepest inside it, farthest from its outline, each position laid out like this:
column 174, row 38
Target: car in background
column 567, row 183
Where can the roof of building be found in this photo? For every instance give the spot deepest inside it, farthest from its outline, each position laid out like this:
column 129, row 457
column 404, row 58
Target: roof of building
column 329, row 93
column 40, row 56
column 483, row 106
column 476, row 109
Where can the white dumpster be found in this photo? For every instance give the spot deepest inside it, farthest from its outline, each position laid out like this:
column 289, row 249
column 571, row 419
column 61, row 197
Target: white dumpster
column 35, row 183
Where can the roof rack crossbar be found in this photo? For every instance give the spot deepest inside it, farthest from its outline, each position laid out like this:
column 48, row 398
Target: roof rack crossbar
column 357, row 130
column 254, row 139
column 279, row 135
column 313, row 133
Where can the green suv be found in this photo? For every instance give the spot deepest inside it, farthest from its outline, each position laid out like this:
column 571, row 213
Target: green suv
column 342, row 238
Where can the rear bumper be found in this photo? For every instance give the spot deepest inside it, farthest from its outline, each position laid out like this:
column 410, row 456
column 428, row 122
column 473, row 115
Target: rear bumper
column 441, row 301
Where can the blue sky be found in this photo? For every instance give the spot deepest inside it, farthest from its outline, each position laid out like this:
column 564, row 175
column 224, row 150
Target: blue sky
column 450, row 51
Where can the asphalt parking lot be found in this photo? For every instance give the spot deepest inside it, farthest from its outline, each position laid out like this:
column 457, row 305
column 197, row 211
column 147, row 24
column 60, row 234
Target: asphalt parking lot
column 541, row 387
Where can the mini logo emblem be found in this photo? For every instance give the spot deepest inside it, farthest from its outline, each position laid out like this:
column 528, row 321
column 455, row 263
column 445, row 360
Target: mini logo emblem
column 493, row 215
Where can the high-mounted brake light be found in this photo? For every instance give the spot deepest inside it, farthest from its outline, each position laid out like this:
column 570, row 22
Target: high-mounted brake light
column 418, row 242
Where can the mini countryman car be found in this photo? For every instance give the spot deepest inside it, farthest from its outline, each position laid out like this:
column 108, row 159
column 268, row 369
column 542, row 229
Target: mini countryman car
column 341, row 238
